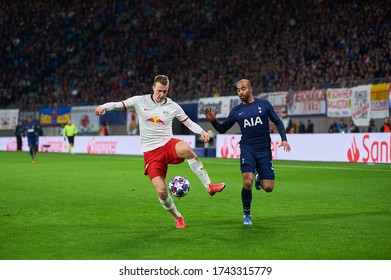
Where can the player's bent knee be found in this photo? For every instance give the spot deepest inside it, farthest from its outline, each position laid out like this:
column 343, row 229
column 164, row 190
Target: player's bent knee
column 184, row 150
column 247, row 184
column 268, row 185
column 268, row 189
column 248, row 180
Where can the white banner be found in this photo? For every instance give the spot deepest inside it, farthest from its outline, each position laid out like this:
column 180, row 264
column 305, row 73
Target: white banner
column 339, row 102
column 223, row 105
column 115, row 145
column 9, row 144
column 118, row 145
column 9, row 119
column 361, row 105
column 352, row 147
column 85, row 119
column 307, row 102
column 277, row 99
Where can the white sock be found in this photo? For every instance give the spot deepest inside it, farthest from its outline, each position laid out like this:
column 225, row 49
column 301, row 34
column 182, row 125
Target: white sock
column 169, row 205
column 198, row 169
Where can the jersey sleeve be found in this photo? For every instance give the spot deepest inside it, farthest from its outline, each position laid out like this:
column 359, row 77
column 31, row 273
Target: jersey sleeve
column 277, row 121
column 226, row 125
column 130, row 103
column 180, row 114
column 121, row 105
column 184, row 118
column 193, row 126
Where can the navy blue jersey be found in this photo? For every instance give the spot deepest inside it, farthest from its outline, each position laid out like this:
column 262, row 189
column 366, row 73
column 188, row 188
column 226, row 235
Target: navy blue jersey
column 31, row 130
column 253, row 120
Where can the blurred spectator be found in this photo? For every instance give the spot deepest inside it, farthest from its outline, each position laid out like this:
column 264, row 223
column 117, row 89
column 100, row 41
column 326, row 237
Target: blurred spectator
column 333, row 128
column 211, row 143
column 352, row 127
column 372, row 126
column 386, row 127
column 294, row 127
column 310, row 127
column 104, row 129
column 272, row 128
column 301, row 127
column 40, row 130
column 56, row 53
column 342, row 127
column 286, row 120
column 19, row 133
column 61, row 130
column 133, row 128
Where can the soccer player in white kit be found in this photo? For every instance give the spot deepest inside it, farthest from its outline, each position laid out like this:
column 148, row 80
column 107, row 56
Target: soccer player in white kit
column 156, row 113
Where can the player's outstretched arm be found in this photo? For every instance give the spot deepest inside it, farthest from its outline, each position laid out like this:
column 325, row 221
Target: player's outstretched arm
column 211, row 116
column 196, row 128
column 102, row 109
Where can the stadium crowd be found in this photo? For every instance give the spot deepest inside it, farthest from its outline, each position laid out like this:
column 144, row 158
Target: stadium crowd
column 64, row 53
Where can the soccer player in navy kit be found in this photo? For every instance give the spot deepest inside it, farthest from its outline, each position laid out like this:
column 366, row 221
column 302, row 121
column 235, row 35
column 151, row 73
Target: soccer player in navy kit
column 31, row 131
column 255, row 144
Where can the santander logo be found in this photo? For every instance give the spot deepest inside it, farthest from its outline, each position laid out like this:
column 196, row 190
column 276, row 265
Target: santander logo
column 231, row 149
column 50, row 144
column 224, row 149
column 347, row 147
column 353, row 152
column 101, row 145
column 11, row 145
column 367, row 149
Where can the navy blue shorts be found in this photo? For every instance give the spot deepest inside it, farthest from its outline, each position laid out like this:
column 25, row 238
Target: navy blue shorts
column 32, row 141
column 252, row 160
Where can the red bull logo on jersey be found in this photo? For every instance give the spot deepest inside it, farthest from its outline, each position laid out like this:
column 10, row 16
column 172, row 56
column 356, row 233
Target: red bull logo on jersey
column 155, row 120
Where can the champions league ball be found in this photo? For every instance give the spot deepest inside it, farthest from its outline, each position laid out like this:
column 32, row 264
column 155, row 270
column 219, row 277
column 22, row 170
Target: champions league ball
column 179, row 186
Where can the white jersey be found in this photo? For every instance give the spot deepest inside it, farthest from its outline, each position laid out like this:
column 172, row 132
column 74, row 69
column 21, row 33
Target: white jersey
column 155, row 119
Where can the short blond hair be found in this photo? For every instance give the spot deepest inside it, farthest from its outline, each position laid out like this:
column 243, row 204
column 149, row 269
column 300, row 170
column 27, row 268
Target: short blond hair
column 163, row 79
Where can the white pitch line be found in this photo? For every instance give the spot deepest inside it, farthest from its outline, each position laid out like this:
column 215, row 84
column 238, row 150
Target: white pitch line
column 370, row 167
column 334, row 168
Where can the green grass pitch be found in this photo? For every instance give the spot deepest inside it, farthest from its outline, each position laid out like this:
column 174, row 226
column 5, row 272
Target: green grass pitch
column 102, row 207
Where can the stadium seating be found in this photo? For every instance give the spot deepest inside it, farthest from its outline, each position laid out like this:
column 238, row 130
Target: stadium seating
column 89, row 52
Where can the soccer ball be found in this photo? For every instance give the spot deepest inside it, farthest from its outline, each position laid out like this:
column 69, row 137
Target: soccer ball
column 179, row 186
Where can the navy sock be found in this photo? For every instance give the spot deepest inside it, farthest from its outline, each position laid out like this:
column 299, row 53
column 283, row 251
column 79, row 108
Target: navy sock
column 246, row 200
column 32, row 153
